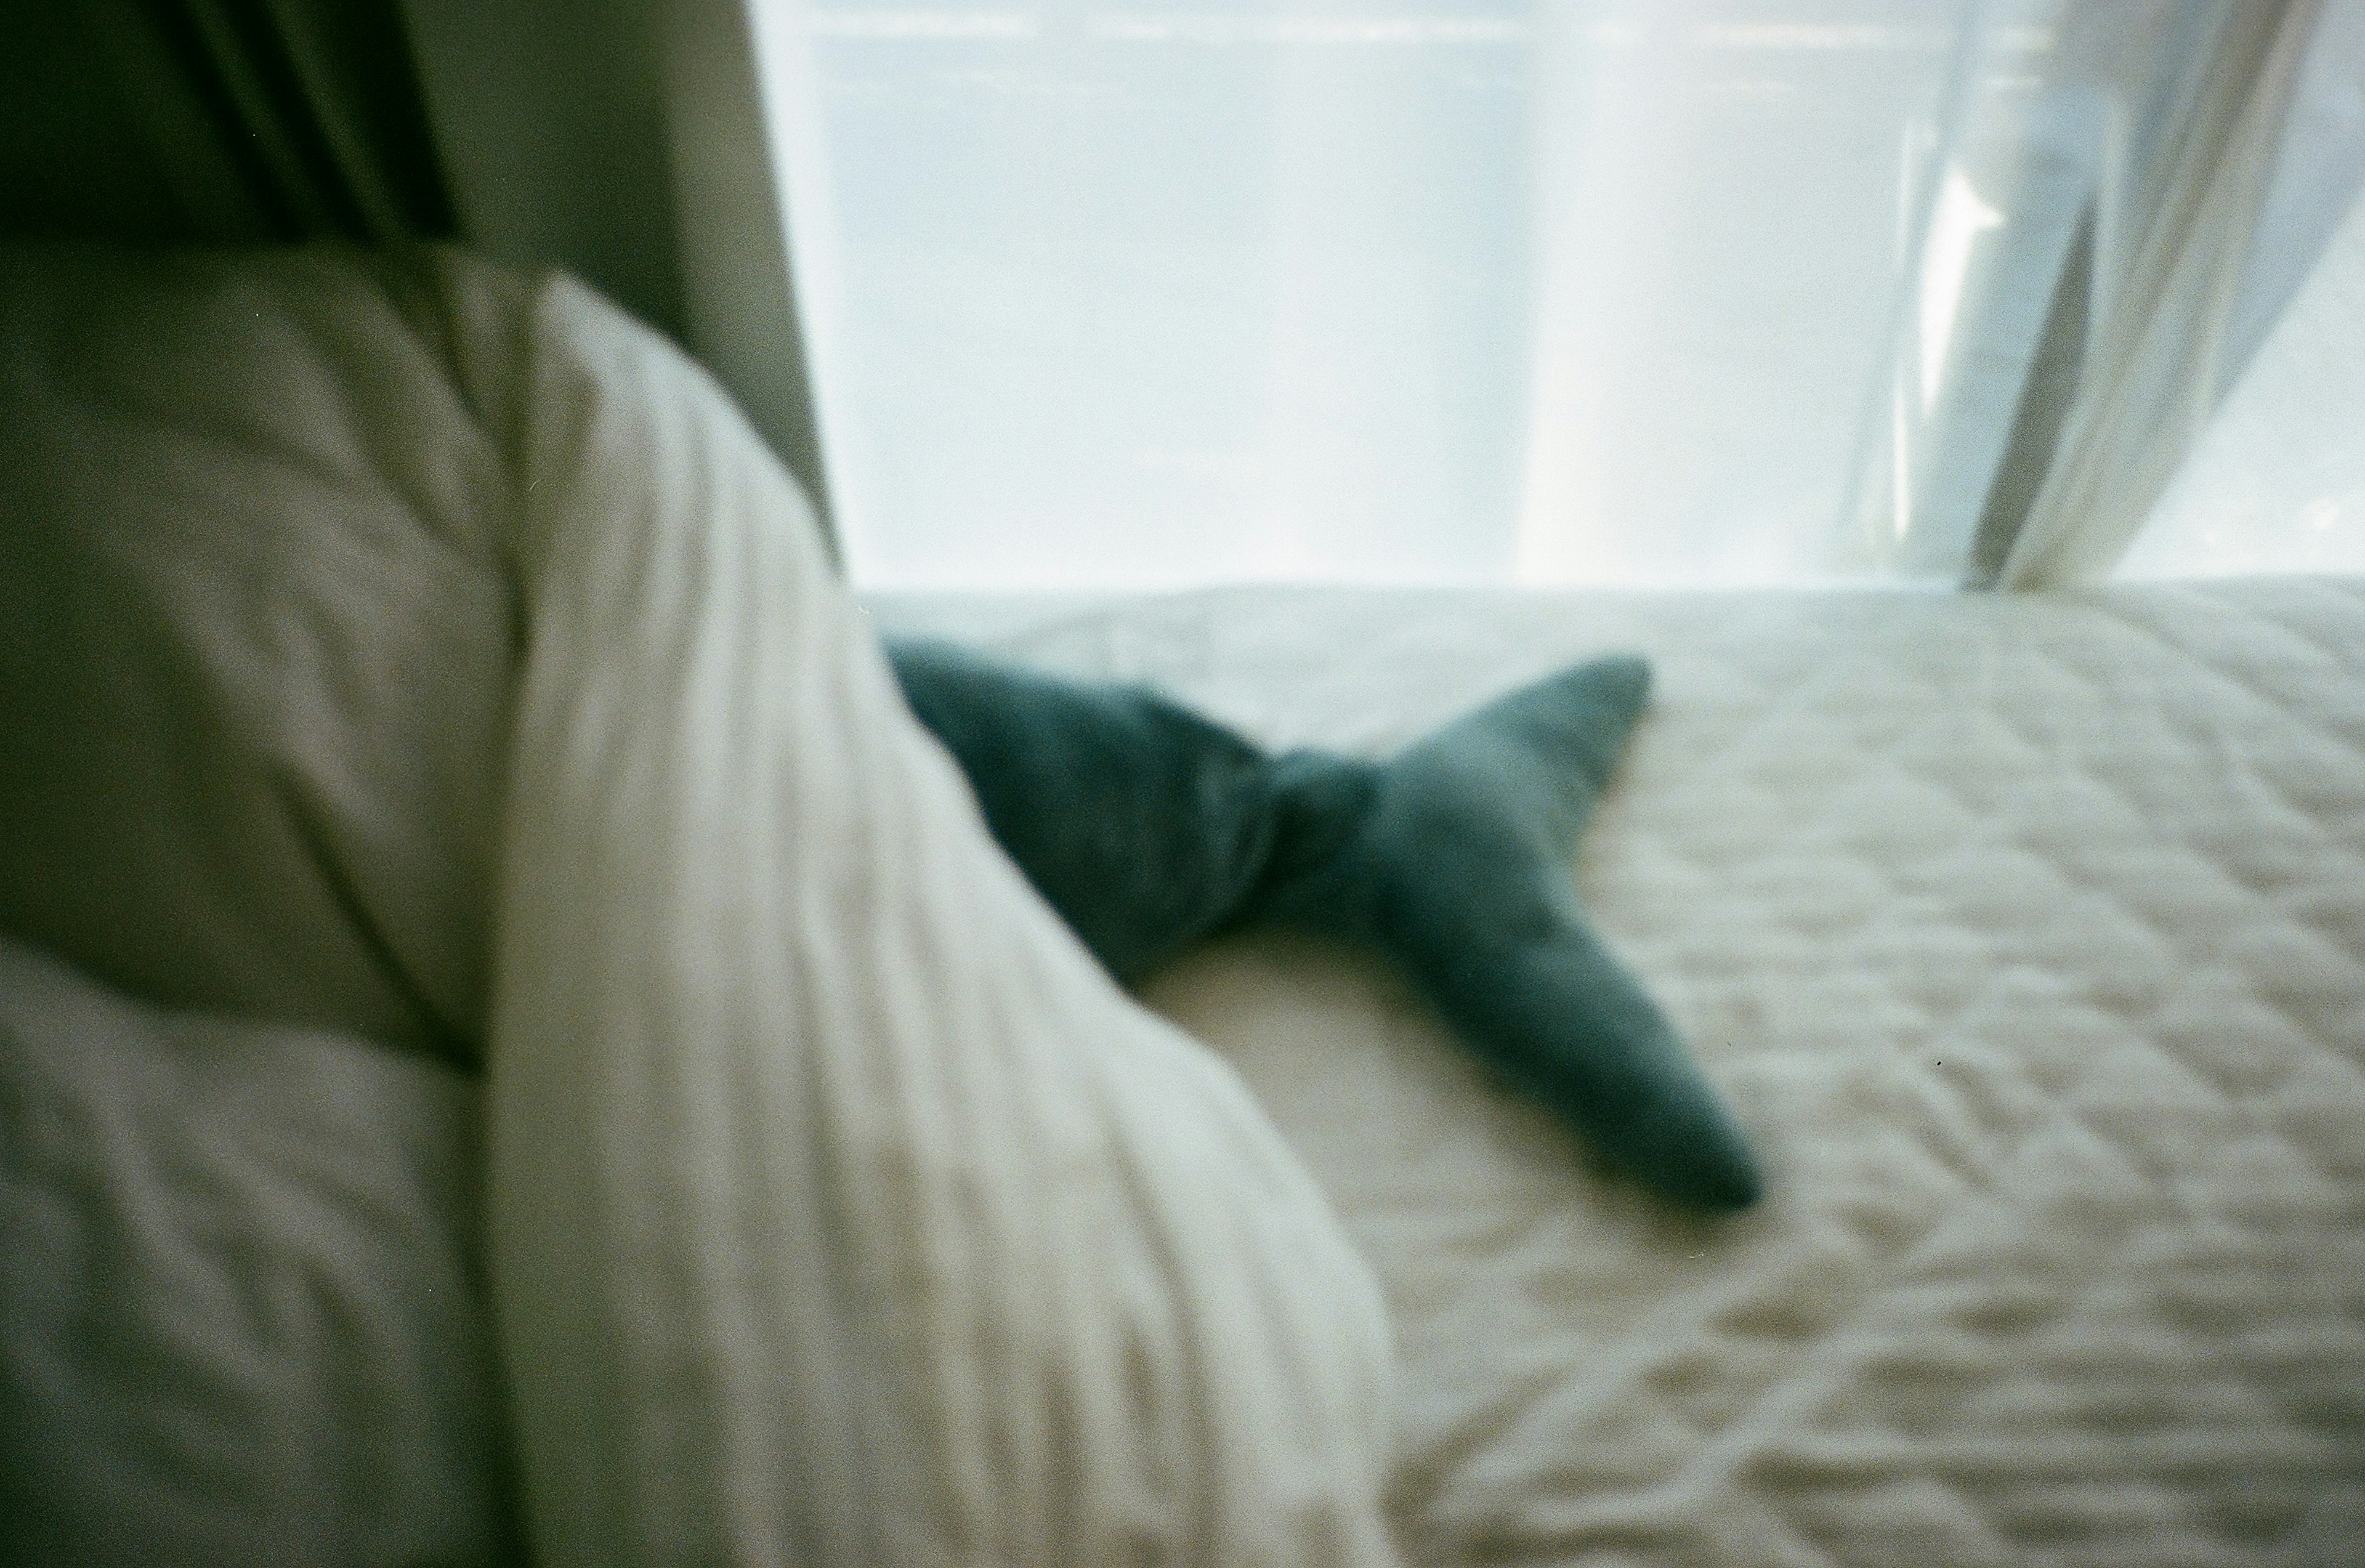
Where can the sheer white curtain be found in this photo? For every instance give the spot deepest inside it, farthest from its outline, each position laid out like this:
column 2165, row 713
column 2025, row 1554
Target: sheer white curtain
column 1106, row 293
column 2276, row 482
column 1723, row 198
column 2160, row 300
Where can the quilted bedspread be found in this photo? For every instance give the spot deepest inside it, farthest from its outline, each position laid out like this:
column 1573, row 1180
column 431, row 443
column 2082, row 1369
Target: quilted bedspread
column 2027, row 935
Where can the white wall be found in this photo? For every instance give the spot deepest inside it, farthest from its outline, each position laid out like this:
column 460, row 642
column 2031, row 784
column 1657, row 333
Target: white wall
column 625, row 141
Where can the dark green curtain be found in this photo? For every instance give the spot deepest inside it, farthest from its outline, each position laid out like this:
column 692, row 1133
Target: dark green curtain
column 178, row 120
column 539, row 132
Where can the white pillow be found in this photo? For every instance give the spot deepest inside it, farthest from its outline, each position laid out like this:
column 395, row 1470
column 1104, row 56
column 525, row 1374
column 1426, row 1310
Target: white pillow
column 242, row 1318
column 842, row 1210
column 839, row 1208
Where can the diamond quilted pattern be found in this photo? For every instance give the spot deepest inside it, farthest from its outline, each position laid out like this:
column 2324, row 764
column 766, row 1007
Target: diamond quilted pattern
column 2028, row 936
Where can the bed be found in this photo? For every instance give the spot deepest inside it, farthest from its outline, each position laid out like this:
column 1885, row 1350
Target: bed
column 433, row 729
column 2025, row 933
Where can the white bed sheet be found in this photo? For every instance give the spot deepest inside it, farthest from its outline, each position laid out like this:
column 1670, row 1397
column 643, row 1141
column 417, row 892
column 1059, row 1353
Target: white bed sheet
column 2028, row 938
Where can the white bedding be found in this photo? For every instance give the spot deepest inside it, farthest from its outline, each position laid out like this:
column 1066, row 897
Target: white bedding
column 435, row 658
column 2028, row 936
column 838, row 1209
column 246, row 1312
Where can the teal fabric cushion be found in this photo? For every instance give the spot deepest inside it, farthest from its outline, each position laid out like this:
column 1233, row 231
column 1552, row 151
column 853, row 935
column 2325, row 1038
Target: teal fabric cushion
column 1149, row 827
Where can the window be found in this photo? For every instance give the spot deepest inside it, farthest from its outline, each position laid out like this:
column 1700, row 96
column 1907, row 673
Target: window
column 1107, row 293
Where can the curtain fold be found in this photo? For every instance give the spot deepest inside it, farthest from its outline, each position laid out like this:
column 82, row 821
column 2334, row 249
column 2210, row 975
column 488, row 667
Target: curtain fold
column 2081, row 223
column 2277, row 483
column 2154, row 376
column 169, row 122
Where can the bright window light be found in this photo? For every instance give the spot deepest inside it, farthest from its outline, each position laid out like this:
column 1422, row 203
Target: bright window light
column 1115, row 295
